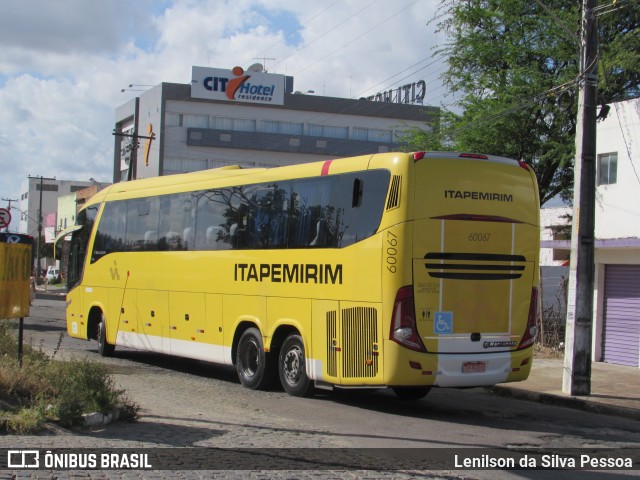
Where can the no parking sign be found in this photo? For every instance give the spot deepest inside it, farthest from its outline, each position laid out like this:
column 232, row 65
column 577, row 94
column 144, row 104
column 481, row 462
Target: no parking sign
column 5, row 218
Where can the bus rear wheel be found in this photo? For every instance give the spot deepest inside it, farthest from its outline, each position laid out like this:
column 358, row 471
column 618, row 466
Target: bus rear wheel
column 292, row 367
column 411, row 393
column 253, row 364
column 105, row 349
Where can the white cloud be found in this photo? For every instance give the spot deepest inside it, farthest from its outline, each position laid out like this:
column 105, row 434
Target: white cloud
column 65, row 62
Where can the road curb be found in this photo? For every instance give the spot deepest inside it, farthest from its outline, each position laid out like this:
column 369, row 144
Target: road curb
column 567, row 402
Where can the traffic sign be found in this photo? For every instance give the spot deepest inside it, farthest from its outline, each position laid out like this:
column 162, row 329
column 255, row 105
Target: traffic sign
column 5, row 217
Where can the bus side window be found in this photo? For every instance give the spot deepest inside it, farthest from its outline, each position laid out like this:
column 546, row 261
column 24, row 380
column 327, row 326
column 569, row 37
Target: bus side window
column 313, row 217
column 175, row 219
column 268, row 220
column 238, row 227
column 142, row 224
column 213, row 217
column 111, row 230
column 362, row 206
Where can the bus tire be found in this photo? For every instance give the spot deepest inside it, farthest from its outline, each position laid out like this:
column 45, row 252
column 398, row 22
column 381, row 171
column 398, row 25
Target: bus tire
column 105, row 349
column 292, row 367
column 411, row 393
column 253, row 364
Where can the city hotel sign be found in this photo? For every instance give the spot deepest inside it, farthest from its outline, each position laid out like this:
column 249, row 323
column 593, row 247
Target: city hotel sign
column 409, row 93
column 237, row 85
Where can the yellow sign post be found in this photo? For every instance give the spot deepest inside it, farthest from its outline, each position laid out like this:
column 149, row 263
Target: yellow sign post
column 15, row 273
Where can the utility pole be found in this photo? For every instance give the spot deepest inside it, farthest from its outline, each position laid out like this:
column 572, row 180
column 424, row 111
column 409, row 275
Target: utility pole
column 9, row 200
column 579, row 328
column 39, row 224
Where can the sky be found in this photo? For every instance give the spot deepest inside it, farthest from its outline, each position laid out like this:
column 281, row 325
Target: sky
column 65, row 63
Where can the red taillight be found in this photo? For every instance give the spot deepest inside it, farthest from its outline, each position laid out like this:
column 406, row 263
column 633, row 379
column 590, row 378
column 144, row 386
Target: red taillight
column 418, row 156
column 532, row 322
column 404, row 330
column 523, row 165
column 477, row 156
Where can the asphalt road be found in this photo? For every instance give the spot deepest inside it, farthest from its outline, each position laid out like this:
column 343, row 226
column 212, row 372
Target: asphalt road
column 188, row 403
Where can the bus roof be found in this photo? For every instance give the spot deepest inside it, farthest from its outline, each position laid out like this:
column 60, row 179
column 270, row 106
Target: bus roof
column 199, row 179
column 174, row 180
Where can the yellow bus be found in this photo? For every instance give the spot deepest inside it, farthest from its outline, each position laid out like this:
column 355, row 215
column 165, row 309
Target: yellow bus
column 401, row 270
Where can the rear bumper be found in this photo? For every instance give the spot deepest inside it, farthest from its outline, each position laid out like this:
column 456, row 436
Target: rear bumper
column 404, row 367
column 499, row 368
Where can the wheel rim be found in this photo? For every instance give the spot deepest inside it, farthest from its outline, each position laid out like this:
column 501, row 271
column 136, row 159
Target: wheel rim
column 101, row 332
column 250, row 358
column 293, row 365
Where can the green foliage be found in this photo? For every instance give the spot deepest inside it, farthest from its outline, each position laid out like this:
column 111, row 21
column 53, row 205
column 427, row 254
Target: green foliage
column 515, row 64
column 44, row 389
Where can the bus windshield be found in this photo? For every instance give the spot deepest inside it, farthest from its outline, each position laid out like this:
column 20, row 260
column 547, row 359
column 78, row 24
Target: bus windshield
column 79, row 243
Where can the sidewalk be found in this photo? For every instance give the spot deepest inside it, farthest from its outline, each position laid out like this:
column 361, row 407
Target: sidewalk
column 615, row 389
column 56, row 290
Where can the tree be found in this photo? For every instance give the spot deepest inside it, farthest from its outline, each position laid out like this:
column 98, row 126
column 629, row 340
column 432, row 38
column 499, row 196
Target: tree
column 516, row 65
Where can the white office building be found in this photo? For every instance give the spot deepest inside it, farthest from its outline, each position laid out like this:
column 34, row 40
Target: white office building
column 37, row 191
column 255, row 119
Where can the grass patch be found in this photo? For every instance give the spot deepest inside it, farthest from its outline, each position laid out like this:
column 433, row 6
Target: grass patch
column 48, row 390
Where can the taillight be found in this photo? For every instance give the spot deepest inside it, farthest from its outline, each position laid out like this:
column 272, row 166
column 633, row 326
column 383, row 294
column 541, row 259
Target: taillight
column 523, row 164
column 532, row 322
column 476, row 156
column 418, row 156
column 404, row 330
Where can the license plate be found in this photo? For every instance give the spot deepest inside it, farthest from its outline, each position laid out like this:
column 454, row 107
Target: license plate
column 474, row 367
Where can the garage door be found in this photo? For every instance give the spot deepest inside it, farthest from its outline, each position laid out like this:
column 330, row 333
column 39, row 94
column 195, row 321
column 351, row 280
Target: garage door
column 621, row 335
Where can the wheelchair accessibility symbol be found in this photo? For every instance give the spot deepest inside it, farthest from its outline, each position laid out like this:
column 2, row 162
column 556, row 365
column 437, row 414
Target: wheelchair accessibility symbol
column 443, row 323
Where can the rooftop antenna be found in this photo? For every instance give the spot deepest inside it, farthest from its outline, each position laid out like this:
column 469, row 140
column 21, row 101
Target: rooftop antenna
column 264, row 61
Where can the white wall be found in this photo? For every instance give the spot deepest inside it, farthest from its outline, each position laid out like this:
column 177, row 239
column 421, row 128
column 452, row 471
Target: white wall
column 550, row 217
column 618, row 205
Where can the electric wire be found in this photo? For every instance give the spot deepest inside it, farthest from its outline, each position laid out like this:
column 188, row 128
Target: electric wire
column 624, row 138
column 307, row 22
column 523, row 102
column 326, row 33
column 626, row 143
column 359, row 36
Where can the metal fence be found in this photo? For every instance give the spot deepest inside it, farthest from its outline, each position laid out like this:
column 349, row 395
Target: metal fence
column 552, row 307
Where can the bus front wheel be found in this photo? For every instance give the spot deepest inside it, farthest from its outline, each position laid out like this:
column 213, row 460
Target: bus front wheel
column 292, row 367
column 253, row 364
column 105, row 349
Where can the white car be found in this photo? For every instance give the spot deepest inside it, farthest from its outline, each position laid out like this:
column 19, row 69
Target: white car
column 53, row 275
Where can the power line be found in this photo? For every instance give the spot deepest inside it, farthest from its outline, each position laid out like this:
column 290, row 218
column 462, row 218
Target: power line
column 263, row 52
column 524, row 102
column 328, row 31
column 359, row 36
column 626, row 143
column 38, row 253
column 439, row 57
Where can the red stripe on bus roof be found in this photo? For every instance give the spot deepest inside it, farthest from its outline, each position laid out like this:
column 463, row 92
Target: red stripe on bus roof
column 325, row 167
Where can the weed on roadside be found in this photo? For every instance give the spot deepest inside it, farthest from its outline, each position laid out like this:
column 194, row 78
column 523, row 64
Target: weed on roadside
column 45, row 390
